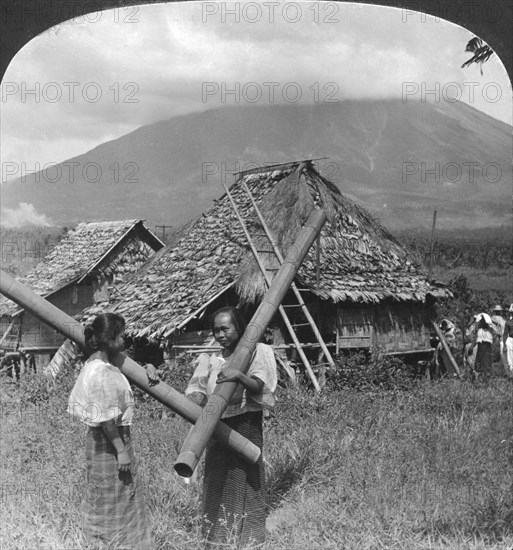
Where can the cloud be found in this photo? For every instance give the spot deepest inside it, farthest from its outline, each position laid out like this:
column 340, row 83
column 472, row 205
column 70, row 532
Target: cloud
column 25, row 214
column 128, row 75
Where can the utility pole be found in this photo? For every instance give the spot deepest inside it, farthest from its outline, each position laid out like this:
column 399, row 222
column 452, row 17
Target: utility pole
column 432, row 245
column 163, row 230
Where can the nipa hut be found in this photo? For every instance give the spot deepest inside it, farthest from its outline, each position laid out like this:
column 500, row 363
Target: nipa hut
column 87, row 264
column 359, row 283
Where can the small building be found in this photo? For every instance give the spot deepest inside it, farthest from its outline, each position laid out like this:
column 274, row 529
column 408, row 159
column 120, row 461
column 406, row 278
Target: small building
column 359, row 282
column 84, row 268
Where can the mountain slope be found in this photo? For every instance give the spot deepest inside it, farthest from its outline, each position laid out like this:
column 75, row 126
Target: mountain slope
column 401, row 160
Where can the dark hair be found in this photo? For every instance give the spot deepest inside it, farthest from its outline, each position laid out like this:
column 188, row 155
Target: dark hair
column 235, row 316
column 103, row 330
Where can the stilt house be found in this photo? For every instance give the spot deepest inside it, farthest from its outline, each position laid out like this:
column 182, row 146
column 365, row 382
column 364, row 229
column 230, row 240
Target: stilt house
column 82, row 269
column 359, row 283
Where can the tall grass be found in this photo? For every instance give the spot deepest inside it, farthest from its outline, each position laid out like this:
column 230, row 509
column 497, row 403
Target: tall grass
column 398, row 469
column 431, row 467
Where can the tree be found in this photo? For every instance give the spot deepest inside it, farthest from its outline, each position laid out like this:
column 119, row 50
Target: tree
column 482, row 52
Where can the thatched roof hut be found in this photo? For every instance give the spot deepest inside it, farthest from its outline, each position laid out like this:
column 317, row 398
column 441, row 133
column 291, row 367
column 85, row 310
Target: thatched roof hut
column 358, row 261
column 85, row 250
column 75, row 274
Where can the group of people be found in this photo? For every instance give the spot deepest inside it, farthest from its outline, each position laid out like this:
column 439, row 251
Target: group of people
column 478, row 339
column 484, row 329
column 114, row 511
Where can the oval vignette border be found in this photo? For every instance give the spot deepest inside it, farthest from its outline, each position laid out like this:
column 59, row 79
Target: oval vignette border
column 17, row 32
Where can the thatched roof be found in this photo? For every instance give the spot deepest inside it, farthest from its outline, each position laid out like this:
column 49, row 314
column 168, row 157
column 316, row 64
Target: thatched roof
column 86, row 250
column 359, row 260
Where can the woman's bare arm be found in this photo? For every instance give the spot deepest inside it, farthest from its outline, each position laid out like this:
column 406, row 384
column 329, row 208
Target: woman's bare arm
column 252, row 384
column 111, row 431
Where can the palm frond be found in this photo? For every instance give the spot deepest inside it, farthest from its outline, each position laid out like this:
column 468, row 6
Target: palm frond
column 482, row 52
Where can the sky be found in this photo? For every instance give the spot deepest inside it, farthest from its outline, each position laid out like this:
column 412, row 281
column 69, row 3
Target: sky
column 100, row 76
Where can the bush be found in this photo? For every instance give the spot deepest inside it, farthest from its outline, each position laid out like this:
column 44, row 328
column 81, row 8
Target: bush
column 370, row 372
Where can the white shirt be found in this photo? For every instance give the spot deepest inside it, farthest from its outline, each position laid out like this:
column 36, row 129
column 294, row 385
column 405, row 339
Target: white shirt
column 484, row 335
column 262, row 366
column 101, row 393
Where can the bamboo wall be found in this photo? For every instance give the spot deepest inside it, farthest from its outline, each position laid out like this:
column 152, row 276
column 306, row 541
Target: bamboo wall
column 393, row 326
column 191, row 338
column 72, row 299
column 5, row 321
column 396, row 327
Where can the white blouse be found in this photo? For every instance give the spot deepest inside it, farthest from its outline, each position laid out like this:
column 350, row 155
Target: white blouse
column 101, row 393
column 484, row 335
column 262, row 366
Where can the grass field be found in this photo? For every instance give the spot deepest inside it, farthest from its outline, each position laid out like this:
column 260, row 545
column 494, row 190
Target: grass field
column 490, row 280
column 427, row 468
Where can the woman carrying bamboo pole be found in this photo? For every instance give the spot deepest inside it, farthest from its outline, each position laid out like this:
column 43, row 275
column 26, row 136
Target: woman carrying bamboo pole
column 234, row 490
column 113, row 510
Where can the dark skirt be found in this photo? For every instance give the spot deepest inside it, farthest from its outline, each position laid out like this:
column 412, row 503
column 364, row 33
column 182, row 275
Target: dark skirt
column 484, row 359
column 233, row 489
column 113, row 509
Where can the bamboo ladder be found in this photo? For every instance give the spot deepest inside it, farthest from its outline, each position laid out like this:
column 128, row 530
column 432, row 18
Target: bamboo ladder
column 267, row 277
column 10, row 341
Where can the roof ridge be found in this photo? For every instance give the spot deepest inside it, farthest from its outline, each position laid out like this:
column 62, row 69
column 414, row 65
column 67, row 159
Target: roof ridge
column 273, row 167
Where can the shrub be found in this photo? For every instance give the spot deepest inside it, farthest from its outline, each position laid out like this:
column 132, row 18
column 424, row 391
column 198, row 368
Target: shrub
column 370, row 372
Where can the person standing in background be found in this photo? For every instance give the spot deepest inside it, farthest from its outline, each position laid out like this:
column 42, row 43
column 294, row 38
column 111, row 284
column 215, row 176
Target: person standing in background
column 498, row 320
column 507, row 344
column 442, row 361
column 485, row 332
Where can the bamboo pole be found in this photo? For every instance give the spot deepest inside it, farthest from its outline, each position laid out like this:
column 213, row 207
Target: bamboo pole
column 447, row 350
column 299, row 297
column 268, row 279
column 60, row 321
column 318, row 260
column 6, row 333
column 198, row 437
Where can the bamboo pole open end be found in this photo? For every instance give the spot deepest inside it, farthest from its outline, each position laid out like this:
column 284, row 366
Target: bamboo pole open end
column 185, row 464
